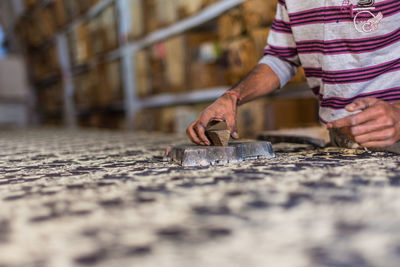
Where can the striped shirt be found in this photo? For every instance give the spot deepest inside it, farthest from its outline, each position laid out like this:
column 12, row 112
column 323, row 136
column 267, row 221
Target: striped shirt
column 341, row 64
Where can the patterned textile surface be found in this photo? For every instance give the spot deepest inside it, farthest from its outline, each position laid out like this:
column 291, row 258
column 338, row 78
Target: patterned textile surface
column 107, row 199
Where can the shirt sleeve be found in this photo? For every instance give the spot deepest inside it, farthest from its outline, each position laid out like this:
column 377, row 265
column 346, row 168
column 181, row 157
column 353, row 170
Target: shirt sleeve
column 281, row 53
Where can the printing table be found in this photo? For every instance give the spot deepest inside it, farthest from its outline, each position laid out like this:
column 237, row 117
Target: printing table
column 102, row 198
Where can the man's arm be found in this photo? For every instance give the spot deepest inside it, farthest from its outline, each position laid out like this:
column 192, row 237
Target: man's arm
column 275, row 69
column 377, row 124
column 261, row 81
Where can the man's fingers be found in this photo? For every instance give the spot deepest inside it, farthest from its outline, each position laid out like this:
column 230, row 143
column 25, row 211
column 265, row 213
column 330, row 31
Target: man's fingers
column 348, row 121
column 372, row 126
column 201, row 133
column 369, row 114
column 234, row 133
column 362, row 104
column 365, row 104
column 231, row 124
column 378, row 143
column 192, row 134
column 375, row 126
column 383, row 135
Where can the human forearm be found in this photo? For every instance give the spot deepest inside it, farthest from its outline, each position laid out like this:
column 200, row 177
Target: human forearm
column 261, row 81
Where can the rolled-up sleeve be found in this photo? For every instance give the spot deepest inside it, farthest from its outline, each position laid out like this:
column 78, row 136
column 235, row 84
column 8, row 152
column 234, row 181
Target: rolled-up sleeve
column 281, row 53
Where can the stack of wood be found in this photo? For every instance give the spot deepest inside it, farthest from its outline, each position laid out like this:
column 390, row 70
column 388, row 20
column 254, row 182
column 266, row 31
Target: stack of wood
column 28, row 33
column 151, row 15
column 264, row 114
column 239, row 42
column 79, row 44
column 258, row 13
column 113, row 84
column 181, row 63
column 31, row 3
column 148, row 120
column 137, row 21
column 143, row 77
column 50, row 104
column 85, row 87
column 40, row 23
column 75, row 8
column 241, row 59
column 50, row 99
column 243, row 33
column 98, row 36
column 36, row 29
column 100, row 87
column 44, row 62
column 168, row 119
column 204, row 68
column 59, row 12
column 102, row 119
column 203, row 59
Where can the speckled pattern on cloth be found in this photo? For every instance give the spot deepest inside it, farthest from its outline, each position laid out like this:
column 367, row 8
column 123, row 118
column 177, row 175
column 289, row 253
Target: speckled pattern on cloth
column 106, row 199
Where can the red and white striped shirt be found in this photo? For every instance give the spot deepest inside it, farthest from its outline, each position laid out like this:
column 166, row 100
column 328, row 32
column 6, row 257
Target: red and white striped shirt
column 343, row 57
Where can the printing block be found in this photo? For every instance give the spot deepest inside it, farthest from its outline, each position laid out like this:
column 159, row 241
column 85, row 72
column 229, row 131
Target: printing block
column 191, row 156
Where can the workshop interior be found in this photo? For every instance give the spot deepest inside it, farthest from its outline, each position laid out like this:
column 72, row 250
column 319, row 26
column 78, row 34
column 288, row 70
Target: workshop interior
column 96, row 168
column 139, row 65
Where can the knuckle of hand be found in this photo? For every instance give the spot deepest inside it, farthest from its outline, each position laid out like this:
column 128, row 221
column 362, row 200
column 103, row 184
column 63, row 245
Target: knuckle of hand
column 197, row 127
column 201, row 125
column 381, row 110
column 207, row 114
column 389, row 121
column 391, row 142
column 354, row 131
column 359, row 139
column 354, row 120
column 391, row 133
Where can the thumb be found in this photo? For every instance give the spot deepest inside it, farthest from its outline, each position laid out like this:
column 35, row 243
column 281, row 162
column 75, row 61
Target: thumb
column 362, row 104
column 232, row 127
column 235, row 135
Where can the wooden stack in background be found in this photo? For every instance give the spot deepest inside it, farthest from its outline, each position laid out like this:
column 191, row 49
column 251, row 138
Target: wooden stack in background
column 30, row 3
column 44, row 63
column 50, row 103
column 217, row 54
column 95, row 37
column 99, row 97
column 97, row 81
column 181, row 63
column 99, row 87
column 60, row 15
column 137, row 21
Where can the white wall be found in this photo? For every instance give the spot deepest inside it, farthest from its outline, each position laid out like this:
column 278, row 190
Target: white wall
column 14, row 92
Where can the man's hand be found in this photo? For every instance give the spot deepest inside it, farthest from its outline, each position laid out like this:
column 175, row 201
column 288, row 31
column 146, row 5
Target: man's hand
column 261, row 81
column 377, row 125
column 224, row 109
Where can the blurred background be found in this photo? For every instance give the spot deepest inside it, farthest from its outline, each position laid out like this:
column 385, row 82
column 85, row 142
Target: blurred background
column 149, row 65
